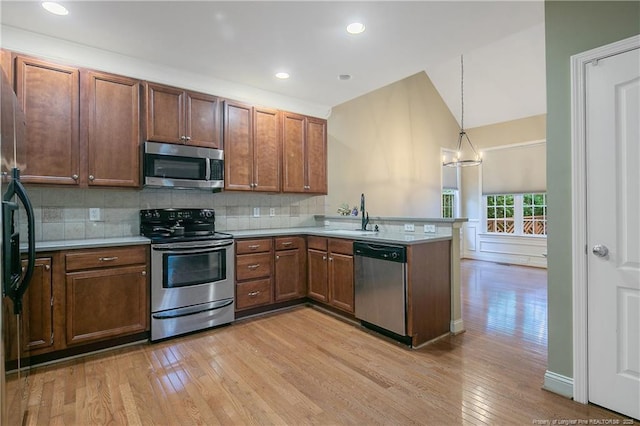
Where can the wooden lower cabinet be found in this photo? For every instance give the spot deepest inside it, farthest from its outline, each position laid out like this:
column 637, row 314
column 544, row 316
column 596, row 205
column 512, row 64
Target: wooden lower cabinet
column 290, row 269
column 331, row 272
column 106, row 303
column 254, row 273
column 269, row 271
column 36, row 324
column 318, row 288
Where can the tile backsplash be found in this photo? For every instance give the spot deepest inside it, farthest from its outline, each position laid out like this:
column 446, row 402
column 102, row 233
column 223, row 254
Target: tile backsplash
column 63, row 213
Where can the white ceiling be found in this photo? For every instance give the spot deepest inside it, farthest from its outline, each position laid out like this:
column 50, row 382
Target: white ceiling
column 246, row 42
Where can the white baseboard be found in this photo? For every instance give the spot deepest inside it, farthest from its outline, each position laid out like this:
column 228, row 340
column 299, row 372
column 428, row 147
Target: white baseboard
column 457, row 326
column 557, row 383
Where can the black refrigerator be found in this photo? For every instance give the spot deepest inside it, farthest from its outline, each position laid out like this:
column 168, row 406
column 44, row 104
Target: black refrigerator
column 17, row 260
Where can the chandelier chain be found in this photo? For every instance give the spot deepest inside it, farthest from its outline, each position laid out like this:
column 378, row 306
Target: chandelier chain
column 462, row 92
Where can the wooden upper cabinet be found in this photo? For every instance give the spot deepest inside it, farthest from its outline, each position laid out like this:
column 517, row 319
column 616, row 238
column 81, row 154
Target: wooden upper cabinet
column 238, row 146
column 49, row 96
column 178, row 116
column 266, row 150
column 252, row 148
column 111, row 116
column 304, row 154
column 202, row 120
column 316, row 155
column 293, row 156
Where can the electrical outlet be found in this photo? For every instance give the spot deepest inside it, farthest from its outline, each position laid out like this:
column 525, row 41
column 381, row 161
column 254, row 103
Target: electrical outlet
column 272, row 211
column 327, row 223
column 95, row 214
column 256, row 212
column 429, row 229
column 409, row 227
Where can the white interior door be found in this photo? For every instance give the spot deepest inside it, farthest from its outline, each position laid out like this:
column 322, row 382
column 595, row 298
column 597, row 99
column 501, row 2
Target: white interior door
column 613, row 231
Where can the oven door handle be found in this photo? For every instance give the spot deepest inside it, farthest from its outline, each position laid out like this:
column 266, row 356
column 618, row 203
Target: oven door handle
column 192, row 310
column 191, row 250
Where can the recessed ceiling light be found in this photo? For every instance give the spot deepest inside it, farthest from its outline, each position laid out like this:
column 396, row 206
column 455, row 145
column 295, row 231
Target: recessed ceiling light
column 344, row 77
column 282, row 75
column 355, row 28
column 55, row 8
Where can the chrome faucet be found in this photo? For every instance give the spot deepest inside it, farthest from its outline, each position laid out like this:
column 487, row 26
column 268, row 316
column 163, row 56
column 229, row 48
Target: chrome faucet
column 365, row 221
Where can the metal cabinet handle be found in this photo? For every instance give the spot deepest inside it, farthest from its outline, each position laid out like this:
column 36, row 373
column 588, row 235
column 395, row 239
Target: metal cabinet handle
column 253, row 293
column 324, row 257
column 144, row 273
column 75, row 177
column 188, row 138
column 277, row 257
column 92, row 178
column 331, row 259
column 47, row 267
column 108, row 259
column 287, row 243
column 254, row 246
column 252, row 267
column 307, row 187
column 600, row 250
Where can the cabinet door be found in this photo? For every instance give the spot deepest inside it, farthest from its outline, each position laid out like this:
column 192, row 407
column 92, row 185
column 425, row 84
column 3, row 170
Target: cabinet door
column 341, row 281
column 293, row 140
column 106, row 303
column 49, row 96
column 165, row 113
column 203, row 120
column 238, row 147
column 36, row 327
column 38, row 307
column 317, row 278
column 111, row 112
column 290, row 275
column 266, row 150
column 316, row 156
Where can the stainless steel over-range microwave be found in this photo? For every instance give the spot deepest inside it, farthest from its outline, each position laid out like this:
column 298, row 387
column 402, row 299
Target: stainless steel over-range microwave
column 183, row 166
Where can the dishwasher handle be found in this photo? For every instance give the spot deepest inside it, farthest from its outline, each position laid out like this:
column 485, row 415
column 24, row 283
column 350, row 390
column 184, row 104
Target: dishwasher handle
column 392, row 253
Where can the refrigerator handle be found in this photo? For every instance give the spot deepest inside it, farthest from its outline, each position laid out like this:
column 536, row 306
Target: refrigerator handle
column 21, row 193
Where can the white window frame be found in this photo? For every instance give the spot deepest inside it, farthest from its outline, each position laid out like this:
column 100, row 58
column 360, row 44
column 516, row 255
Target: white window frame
column 518, row 217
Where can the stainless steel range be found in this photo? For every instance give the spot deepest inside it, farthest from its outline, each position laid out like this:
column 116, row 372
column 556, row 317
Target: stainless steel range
column 192, row 271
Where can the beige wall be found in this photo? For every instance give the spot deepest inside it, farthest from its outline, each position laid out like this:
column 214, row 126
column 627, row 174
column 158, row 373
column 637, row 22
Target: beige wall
column 507, row 133
column 386, row 144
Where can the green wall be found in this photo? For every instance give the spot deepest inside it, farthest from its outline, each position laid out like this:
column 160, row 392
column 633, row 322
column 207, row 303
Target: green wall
column 571, row 27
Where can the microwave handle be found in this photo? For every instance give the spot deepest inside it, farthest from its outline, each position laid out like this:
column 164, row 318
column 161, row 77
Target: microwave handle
column 208, row 168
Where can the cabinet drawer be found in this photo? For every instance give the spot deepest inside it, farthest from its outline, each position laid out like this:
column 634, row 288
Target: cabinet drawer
column 104, row 258
column 254, row 266
column 253, row 246
column 318, row 243
column 253, row 293
column 340, row 246
column 286, row 243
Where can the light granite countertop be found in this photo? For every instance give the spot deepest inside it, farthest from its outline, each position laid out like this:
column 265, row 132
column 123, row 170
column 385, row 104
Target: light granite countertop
column 89, row 243
column 380, row 237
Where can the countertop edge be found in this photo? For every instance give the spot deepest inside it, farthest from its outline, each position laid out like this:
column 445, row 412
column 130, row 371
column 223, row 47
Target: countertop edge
column 42, row 246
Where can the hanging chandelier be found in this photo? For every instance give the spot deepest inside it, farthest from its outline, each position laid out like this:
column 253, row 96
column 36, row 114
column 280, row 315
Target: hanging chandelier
column 459, row 160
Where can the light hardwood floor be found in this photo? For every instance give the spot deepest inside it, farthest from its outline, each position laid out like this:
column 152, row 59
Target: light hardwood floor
column 303, row 366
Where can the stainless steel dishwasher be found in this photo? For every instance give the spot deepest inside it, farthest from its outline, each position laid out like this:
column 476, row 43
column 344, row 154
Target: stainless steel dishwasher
column 381, row 287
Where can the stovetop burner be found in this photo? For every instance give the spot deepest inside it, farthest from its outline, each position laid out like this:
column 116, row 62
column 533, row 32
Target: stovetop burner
column 173, row 225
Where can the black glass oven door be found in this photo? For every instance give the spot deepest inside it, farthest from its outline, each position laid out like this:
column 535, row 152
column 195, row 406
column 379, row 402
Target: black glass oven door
column 192, row 269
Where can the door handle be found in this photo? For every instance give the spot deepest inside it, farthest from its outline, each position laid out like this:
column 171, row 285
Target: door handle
column 600, row 250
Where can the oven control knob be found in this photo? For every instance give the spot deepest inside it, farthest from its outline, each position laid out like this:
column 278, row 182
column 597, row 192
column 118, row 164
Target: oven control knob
column 156, row 214
column 206, row 213
column 394, row 255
